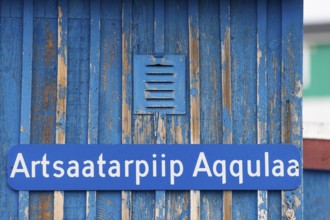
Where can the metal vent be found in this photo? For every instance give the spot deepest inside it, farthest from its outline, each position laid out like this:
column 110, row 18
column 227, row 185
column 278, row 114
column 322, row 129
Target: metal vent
column 159, row 84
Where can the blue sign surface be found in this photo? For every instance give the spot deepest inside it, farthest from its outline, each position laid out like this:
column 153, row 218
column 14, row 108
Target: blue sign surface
column 154, row 167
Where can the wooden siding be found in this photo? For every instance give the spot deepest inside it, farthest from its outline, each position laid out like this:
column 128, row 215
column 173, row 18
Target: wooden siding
column 66, row 76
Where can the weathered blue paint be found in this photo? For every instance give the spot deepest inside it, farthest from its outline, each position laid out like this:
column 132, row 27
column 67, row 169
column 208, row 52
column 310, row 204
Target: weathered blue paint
column 262, row 94
column 94, row 83
column 127, row 87
column 12, row 9
column 45, row 9
column 291, row 94
column 77, row 94
column 142, row 39
column 227, row 137
column 177, row 126
column 273, row 69
column 108, row 204
column 26, row 94
column 43, row 121
column 10, row 99
column 113, row 118
column 244, row 91
column 159, row 28
column 211, row 98
column 160, row 116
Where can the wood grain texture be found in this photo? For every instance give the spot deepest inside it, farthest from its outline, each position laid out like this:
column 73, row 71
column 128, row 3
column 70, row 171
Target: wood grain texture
column 11, row 36
column 211, row 95
column 77, row 94
column 291, row 95
column 44, row 88
column 61, row 97
column 226, row 93
column 177, row 126
column 159, row 117
column 108, row 204
column 194, row 85
column 262, row 94
column 25, row 133
column 127, row 77
column 244, row 92
column 273, row 66
column 143, row 202
column 93, row 94
column 243, row 77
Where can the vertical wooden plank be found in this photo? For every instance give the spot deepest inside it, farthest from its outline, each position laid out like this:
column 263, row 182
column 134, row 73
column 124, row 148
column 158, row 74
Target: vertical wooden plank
column 244, row 92
column 194, row 73
column 78, row 40
column 143, row 202
column 292, row 33
column 274, row 42
column 62, row 61
column 160, row 118
column 108, row 204
column 211, row 205
column 177, row 126
column 43, row 100
column 26, row 95
column 127, row 77
column 11, row 38
column 93, row 105
column 226, row 92
column 160, row 130
column 262, row 95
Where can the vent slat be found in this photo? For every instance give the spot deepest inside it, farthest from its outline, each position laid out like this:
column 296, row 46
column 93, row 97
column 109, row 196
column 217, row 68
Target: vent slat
column 160, row 103
column 154, row 73
column 159, row 95
column 159, row 86
column 160, row 77
column 159, row 65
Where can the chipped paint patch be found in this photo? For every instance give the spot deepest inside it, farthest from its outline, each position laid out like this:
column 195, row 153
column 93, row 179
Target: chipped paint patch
column 126, row 102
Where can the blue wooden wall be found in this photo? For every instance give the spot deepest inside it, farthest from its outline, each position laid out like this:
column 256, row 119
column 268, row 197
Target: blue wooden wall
column 66, row 77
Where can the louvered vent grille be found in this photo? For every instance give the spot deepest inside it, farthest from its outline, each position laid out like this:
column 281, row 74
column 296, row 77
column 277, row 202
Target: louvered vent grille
column 159, row 84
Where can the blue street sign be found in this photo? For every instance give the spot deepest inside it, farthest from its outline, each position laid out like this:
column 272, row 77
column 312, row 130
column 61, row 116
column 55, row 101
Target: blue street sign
column 154, row 167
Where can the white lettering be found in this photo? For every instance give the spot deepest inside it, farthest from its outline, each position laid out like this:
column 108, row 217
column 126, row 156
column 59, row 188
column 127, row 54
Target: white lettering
column 239, row 173
column 58, row 168
column 172, row 168
column 223, row 170
column 101, row 162
column 138, row 173
column 88, row 171
column 44, row 164
column 279, row 167
column 127, row 163
column 257, row 172
column 266, row 164
column 19, row 161
column 293, row 170
column 206, row 168
column 114, row 171
column 33, row 168
column 73, row 171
